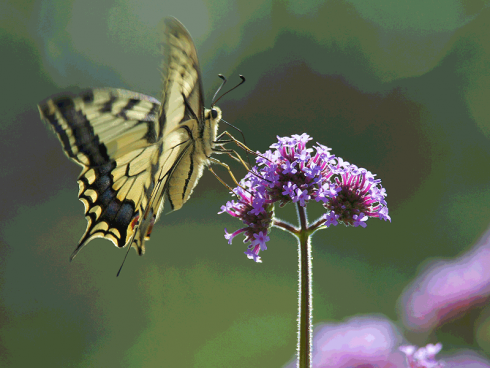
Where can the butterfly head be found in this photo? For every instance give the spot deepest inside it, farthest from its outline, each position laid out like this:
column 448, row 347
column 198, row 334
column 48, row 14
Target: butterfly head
column 213, row 115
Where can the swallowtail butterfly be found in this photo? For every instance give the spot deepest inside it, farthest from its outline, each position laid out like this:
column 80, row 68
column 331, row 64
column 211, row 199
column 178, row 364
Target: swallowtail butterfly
column 134, row 149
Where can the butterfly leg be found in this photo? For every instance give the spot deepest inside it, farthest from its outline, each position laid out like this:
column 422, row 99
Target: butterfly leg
column 220, row 180
column 234, row 140
column 229, row 171
column 230, row 151
column 237, row 142
column 235, row 157
column 222, row 142
column 215, row 161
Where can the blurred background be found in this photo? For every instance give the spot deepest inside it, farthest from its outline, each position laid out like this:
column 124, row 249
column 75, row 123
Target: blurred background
column 399, row 87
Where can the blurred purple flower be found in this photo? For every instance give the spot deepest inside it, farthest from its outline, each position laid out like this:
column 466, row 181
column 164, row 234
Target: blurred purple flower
column 374, row 342
column 446, row 289
column 293, row 173
column 360, row 342
column 423, row 357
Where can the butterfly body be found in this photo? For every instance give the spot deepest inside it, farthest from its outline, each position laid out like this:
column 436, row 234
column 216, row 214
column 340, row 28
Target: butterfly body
column 136, row 150
column 194, row 159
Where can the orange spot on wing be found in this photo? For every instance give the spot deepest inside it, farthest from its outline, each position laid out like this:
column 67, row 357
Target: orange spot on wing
column 134, row 221
column 150, row 228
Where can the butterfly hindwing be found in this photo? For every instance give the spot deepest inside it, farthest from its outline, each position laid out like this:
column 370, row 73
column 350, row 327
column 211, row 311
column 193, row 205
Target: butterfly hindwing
column 116, row 199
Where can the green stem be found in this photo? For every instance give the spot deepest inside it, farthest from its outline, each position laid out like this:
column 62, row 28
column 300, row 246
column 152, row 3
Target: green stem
column 305, row 305
column 305, row 286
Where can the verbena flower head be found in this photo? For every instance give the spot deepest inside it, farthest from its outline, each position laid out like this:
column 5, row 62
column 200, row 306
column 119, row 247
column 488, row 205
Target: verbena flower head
column 423, row 357
column 292, row 173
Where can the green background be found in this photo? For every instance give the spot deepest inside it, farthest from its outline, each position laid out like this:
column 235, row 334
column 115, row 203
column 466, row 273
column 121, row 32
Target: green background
column 401, row 88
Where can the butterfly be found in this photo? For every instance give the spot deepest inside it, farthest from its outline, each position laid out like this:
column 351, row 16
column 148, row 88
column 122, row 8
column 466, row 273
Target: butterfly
column 136, row 150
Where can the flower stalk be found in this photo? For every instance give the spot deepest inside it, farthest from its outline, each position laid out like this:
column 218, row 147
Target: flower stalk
column 305, row 308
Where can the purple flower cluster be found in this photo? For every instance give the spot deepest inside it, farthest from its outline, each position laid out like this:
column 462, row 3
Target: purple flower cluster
column 290, row 172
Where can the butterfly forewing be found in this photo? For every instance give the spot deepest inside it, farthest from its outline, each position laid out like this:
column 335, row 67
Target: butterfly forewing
column 181, row 78
column 112, row 134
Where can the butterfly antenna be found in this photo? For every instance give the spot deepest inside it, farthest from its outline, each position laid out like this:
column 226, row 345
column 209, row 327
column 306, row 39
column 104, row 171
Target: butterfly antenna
column 124, row 260
column 239, row 84
column 219, row 89
column 243, row 136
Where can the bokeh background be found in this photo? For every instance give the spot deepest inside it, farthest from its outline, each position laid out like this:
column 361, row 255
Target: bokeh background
column 401, row 88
